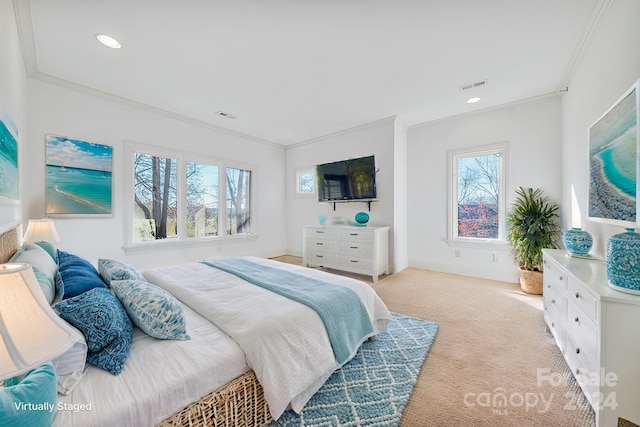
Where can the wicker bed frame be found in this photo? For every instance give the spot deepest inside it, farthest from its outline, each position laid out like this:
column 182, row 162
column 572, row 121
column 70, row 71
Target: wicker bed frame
column 238, row 403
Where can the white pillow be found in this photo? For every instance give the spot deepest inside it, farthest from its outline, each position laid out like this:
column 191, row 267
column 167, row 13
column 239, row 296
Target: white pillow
column 70, row 365
column 44, row 267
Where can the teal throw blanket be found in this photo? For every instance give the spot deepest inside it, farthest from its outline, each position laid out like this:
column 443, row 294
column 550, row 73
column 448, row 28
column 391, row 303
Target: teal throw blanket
column 344, row 315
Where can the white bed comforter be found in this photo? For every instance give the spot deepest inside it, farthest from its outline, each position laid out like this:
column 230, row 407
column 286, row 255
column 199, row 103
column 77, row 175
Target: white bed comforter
column 284, row 342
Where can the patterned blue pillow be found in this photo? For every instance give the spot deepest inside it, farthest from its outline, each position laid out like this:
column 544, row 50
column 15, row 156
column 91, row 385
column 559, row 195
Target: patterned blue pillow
column 105, row 325
column 154, row 310
column 115, row 270
column 76, row 275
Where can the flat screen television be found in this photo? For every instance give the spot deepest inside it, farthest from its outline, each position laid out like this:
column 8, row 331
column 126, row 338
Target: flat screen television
column 352, row 179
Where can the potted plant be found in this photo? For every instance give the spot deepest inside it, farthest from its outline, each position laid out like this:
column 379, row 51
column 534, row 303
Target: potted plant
column 532, row 224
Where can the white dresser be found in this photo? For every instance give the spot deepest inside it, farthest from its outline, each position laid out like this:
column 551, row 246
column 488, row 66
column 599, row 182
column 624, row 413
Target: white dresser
column 598, row 331
column 363, row 250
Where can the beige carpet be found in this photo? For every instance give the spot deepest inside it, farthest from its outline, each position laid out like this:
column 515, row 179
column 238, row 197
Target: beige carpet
column 493, row 362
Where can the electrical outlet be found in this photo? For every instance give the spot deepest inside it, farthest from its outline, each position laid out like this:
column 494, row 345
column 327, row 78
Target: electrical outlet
column 457, row 254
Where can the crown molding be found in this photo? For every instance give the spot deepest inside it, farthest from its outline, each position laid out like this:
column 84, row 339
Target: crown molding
column 595, row 20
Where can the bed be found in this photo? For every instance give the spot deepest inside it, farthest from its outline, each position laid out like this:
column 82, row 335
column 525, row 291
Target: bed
column 234, row 369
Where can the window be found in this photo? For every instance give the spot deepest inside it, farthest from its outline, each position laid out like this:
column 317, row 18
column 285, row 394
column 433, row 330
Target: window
column 202, row 200
column 176, row 196
column 154, row 214
column 238, row 206
column 478, row 181
column 306, row 182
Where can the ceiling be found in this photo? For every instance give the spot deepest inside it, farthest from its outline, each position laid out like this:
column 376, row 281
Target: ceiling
column 293, row 70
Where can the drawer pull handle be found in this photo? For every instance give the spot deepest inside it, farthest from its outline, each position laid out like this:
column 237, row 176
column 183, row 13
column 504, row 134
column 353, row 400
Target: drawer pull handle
column 561, row 278
column 577, row 319
column 353, row 247
column 319, row 232
column 577, row 371
column 553, row 301
column 549, row 286
column 577, row 294
column 319, row 256
column 353, row 234
column 319, row 243
column 553, row 325
column 354, row 260
column 578, row 350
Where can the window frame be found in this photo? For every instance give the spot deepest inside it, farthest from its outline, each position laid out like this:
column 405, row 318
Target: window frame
column 297, row 173
column 182, row 157
column 452, row 206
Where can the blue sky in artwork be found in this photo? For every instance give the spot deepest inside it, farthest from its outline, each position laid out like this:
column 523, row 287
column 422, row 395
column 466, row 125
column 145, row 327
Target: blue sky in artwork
column 73, row 153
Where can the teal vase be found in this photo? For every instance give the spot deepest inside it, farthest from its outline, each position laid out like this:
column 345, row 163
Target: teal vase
column 623, row 262
column 577, row 241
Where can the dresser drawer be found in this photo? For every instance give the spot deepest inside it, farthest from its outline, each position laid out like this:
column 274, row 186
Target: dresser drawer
column 582, row 331
column 554, row 278
column 582, row 298
column 321, row 245
column 584, row 370
column 356, row 249
column 320, row 233
column 320, row 258
column 355, row 235
column 354, row 264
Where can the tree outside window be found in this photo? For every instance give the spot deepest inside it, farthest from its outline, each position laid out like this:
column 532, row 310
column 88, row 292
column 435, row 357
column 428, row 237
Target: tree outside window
column 238, row 198
column 478, row 184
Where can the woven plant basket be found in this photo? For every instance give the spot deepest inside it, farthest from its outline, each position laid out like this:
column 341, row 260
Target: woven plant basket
column 531, row 281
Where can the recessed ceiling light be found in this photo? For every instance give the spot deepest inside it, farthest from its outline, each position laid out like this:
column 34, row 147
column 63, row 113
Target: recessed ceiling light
column 108, row 41
column 473, row 100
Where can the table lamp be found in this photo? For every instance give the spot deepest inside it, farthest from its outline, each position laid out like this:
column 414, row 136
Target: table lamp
column 41, row 230
column 31, row 333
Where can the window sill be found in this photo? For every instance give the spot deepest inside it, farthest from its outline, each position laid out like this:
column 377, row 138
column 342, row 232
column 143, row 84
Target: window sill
column 484, row 244
column 174, row 244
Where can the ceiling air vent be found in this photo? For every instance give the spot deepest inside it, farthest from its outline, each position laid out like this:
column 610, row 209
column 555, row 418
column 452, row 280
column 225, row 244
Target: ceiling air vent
column 474, row 84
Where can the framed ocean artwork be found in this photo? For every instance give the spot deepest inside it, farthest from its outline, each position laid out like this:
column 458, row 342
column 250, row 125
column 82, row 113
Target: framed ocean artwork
column 613, row 162
column 9, row 187
column 78, row 177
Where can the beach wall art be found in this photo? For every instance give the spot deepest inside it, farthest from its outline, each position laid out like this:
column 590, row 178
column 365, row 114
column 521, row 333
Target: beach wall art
column 613, row 162
column 78, row 177
column 8, row 158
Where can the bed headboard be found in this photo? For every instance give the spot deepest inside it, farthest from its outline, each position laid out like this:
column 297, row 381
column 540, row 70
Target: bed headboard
column 8, row 244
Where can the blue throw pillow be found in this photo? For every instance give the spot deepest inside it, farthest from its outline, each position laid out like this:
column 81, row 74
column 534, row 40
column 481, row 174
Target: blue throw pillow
column 111, row 269
column 105, row 325
column 155, row 311
column 76, row 275
column 30, row 402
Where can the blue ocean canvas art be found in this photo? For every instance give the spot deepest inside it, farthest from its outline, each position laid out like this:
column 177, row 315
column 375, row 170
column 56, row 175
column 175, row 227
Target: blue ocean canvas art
column 613, row 151
column 78, row 177
column 8, row 158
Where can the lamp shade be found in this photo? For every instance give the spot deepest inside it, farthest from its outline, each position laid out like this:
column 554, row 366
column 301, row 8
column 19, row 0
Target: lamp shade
column 41, row 230
column 31, row 333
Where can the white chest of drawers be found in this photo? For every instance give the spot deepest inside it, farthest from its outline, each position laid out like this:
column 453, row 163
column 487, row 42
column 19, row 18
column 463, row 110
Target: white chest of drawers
column 363, row 250
column 598, row 331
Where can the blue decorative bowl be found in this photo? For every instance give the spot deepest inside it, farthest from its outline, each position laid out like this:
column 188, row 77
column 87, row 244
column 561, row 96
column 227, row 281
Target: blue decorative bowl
column 623, row 262
column 577, row 241
column 362, row 218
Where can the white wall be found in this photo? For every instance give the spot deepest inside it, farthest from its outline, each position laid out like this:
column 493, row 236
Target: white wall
column 13, row 89
column 532, row 130
column 375, row 138
column 609, row 66
column 57, row 110
column 400, row 202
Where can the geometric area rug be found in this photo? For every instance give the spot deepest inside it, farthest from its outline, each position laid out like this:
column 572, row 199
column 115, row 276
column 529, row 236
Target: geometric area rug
column 373, row 388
